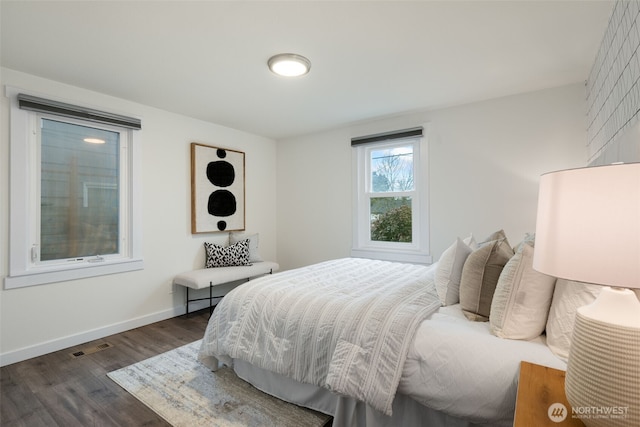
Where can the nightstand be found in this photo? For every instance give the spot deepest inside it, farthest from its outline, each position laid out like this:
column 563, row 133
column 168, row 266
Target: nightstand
column 541, row 400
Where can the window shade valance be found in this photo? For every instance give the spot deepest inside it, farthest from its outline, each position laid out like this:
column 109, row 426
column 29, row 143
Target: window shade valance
column 41, row 105
column 396, row 134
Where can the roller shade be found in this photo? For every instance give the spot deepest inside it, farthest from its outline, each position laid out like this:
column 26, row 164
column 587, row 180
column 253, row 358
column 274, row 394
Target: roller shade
column 41, row 105
column 386, row 136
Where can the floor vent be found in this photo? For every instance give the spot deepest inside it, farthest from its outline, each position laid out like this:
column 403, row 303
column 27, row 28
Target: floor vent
column 91, row 350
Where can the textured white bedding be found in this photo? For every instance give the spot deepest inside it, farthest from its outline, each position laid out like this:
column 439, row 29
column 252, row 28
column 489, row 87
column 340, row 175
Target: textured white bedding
column 458, row 372
column 461, row 374
column 345, row 324
column 457, row 366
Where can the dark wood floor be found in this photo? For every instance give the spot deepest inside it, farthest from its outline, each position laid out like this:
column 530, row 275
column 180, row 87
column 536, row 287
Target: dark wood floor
column 58, row 390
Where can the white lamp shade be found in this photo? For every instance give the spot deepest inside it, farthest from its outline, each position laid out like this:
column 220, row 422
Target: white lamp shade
column 588, row 230
column 588, row 225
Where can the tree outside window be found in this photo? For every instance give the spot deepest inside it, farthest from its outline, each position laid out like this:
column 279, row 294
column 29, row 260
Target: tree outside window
column 392, row 185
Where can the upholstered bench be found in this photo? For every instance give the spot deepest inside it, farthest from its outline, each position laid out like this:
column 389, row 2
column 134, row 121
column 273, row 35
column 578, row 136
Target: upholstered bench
column 210, row 277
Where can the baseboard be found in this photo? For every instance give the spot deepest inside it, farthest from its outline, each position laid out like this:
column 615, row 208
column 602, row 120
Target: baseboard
column 72, row 340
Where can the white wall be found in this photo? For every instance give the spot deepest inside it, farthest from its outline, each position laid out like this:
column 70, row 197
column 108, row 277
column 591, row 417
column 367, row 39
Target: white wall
column 44, row 318
column 485, row 161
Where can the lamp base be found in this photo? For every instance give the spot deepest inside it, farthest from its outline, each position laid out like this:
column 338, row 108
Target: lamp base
column 618, row 306
column 603, row 372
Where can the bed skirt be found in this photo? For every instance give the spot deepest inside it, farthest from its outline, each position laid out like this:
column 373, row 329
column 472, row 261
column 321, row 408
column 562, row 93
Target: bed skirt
column 346, row 411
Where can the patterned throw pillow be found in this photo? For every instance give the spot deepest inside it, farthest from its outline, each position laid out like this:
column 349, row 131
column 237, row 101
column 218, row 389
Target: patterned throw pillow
column 234, row 255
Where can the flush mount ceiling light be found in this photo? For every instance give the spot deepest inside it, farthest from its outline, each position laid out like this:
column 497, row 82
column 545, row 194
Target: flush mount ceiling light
column 289, row 65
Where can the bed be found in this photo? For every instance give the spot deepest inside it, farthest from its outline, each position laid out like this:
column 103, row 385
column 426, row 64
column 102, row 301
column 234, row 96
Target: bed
column 370, row 343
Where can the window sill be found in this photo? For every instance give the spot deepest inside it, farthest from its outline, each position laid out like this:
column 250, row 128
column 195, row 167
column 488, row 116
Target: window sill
column 396, row 256
column 33, row 278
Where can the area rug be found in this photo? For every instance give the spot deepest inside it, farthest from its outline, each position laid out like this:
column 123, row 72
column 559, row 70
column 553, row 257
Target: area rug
column 184, row 392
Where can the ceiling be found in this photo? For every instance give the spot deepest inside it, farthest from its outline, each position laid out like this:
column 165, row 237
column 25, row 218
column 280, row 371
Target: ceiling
column 370, row 59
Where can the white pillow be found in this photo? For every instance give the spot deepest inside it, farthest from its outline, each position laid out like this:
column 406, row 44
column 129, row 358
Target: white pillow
column 522, row 299
column 449, row 270
column 254, row 252
column 568, row 296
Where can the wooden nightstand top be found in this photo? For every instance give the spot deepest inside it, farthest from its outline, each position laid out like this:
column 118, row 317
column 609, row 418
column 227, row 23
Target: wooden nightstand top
column 540, row 388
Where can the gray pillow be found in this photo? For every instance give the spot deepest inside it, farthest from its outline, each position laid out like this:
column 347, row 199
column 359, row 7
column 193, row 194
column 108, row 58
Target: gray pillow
column 480, row 276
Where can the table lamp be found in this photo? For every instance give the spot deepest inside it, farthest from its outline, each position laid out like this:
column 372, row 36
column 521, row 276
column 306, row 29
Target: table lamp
column 588, row 230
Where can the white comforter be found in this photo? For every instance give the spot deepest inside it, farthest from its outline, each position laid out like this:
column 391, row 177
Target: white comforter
column 458, row 367
column 346, row 325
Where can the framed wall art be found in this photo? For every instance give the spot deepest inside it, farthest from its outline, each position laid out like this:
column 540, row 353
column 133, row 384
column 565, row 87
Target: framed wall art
column 217, row 189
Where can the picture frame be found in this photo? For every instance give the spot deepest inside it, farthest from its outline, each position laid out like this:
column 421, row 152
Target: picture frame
column 217, row 189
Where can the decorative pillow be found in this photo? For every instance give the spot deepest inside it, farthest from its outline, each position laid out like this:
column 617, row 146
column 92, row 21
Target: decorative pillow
column 480, row 276
column 449, row 270
column 254, row 252
column 496, row 235
column 568, row 296
column 529, row 239
column 522, row 299
column 233, row 255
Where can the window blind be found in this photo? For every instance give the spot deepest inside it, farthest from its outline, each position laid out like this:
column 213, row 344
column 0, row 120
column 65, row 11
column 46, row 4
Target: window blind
column 41, row 105
column 386, row 136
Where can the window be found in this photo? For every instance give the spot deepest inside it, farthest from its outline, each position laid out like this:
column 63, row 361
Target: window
column 74, row 210
column 390, row 220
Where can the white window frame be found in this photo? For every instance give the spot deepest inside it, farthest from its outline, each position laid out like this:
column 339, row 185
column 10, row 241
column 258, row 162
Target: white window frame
column 416, row 251
column 24, row 226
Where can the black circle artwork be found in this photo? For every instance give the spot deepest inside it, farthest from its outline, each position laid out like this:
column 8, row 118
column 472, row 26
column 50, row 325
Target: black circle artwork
column 221, row 173
column 221, row 202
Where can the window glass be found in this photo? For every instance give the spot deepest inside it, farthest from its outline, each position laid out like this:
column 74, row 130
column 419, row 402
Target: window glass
column 391, row 219
column 79, row 191
column 74, row 200
column 391, row 172
column 391, row 200
column 392, row 169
